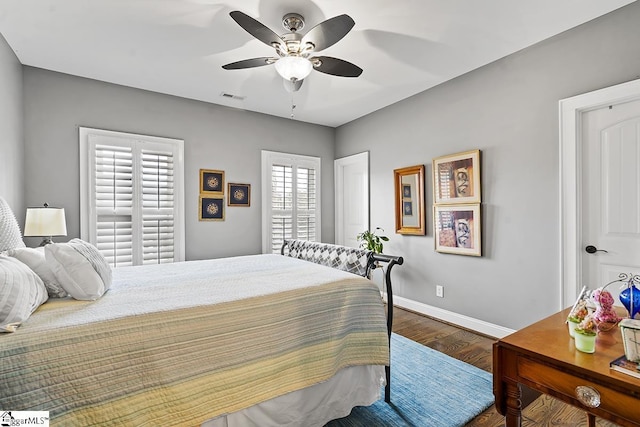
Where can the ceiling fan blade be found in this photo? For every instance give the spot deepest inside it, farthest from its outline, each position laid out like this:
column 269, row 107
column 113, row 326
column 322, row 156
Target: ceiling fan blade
column 257, row 29
column 250, row 63
column 329, row 32
column 336, row 67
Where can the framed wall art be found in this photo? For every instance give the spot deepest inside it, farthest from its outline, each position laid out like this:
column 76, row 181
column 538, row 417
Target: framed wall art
column 409, row 192
column 239, row 195
column 211, row 182
column 456, row 178
column 457, row 229
column 211, row 208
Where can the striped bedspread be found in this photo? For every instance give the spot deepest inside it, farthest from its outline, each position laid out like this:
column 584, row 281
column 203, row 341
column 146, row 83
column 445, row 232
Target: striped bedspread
column 177, row 344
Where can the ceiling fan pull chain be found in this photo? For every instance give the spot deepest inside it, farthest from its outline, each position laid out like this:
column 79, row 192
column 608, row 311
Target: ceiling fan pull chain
column 293, row 106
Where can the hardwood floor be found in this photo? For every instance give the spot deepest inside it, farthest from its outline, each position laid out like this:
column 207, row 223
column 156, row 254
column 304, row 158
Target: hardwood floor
column 476, row 350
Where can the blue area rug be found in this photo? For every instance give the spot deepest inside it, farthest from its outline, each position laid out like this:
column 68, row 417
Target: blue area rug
column 428, row 389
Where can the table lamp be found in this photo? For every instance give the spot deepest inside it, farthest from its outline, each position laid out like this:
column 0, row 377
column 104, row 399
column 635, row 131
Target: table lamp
column 46, row 222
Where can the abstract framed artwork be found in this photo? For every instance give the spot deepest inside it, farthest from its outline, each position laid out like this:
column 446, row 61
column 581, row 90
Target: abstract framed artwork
column 406, row 191
column 211, row 208
column 409, row 192
column 457, row 229
column 407, row 208
column 239, row 195
column 211, row 182
column 456, row 178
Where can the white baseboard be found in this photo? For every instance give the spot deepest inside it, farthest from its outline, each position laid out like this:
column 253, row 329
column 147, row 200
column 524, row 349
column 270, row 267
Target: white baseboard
column 466, row 322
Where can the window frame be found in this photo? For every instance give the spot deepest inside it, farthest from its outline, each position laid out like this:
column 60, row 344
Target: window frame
column 270, row 158
column 88, row 212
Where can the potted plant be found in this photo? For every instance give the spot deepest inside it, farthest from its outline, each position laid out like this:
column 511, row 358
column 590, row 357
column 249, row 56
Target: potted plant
column 372, row 241
column 585, row 335
column 576, row 316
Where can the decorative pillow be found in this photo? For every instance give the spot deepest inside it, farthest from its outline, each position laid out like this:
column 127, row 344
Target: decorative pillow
column 35, row 260
column 21, row 292
column 10, row 236
column 79, row 268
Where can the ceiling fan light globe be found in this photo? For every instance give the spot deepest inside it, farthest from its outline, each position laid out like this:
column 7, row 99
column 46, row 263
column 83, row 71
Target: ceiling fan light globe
column 293, row 67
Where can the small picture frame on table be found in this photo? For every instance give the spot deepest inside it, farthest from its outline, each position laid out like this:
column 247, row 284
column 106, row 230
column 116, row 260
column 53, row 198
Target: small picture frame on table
column 456, row 178
column 239, row 195
column 457, row 229
column 211, row 208
column 211, row 182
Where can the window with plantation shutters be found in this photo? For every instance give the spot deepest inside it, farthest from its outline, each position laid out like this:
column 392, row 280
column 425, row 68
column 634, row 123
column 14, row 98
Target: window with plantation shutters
column 291, row 199
column 131, row 197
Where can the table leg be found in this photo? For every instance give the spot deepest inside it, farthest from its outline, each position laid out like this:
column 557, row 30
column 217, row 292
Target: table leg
column 591, row 420
column 513, row 415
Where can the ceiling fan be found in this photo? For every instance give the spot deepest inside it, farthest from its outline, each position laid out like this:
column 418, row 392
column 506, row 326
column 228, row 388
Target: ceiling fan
column 296, row 53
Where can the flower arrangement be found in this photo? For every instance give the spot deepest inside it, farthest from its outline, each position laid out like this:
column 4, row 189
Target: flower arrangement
column 587, row 326
column 579, row 312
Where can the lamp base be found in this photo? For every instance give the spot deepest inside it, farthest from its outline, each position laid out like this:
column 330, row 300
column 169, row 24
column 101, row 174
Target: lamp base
column 46, row 241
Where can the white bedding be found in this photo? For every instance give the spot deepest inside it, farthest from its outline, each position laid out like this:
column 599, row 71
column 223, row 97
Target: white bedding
column 193, row 341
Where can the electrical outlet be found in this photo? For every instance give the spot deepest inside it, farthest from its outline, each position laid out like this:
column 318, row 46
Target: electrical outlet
column 440, row 291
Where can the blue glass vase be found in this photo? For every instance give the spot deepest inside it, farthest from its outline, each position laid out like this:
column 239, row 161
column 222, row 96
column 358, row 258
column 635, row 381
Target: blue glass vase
column 630, row 298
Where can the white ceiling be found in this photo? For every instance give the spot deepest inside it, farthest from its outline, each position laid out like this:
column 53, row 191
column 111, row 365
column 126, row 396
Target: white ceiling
column 178, row 46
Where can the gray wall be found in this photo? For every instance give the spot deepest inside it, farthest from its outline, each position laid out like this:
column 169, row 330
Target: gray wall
column 509, row 110
column 215, row 138
column 11, row 130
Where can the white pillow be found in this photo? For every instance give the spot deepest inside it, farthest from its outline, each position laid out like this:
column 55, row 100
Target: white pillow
column 21, row 292
column 79, row 268
column 35, row 260
column 10, row 236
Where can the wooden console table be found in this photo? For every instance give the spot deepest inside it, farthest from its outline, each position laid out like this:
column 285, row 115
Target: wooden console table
column 543, row 357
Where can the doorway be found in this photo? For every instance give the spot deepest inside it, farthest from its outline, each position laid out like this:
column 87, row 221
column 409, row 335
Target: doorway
column 576, row 117
column 351, row 198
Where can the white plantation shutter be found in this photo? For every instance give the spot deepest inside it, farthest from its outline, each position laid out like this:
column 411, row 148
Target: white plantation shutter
column 281, row 205
column 131, row 197
column 306, row 204
column 114, row 203
column 158, row 205
column 291, row 199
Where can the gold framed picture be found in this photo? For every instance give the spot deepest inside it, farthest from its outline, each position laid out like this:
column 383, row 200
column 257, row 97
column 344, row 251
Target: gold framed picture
column 409, row 192
column 457, row 229
column 456, row 178
column 239, row 195
column 211, row 208
column 211, row 182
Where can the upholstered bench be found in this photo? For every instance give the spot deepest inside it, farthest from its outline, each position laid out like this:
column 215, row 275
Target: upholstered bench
column 353, row 260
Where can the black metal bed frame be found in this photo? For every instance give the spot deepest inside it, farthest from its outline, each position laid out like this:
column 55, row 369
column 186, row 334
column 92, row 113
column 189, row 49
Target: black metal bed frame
column 374, row 261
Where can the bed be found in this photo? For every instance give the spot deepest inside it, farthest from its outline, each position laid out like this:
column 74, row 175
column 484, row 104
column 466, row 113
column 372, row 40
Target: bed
column 253, row 340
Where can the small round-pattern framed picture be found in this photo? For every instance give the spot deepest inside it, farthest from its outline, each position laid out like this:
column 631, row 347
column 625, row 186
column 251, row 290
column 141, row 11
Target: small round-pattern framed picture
column 211, row 209
column 239, row 194
column 211, row 182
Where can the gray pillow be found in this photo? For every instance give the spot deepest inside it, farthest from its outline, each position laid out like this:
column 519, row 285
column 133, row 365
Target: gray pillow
column 21, row 292
column 10, row 236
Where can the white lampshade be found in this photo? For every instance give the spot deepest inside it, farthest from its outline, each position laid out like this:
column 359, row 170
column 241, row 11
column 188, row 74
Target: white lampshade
column 293, row 67
column 45, row 221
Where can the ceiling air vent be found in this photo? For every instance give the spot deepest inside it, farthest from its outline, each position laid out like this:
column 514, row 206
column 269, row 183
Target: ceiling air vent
column 231, row 96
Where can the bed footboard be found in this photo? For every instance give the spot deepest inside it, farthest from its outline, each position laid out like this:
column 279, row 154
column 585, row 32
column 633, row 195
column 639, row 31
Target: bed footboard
column 357, row 261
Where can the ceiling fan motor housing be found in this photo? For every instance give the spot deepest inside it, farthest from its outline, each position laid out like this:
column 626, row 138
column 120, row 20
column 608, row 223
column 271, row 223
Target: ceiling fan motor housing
column 293, row 22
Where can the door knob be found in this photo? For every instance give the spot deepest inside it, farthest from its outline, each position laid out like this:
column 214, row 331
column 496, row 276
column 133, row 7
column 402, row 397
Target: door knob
column 592, row 250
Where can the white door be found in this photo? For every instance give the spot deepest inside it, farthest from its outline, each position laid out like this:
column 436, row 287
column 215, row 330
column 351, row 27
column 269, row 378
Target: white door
column 352, row 198
column 572, row 246
column 610, row 194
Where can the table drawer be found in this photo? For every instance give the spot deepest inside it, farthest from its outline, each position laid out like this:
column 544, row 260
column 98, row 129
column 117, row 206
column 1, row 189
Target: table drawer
column 611, row 401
